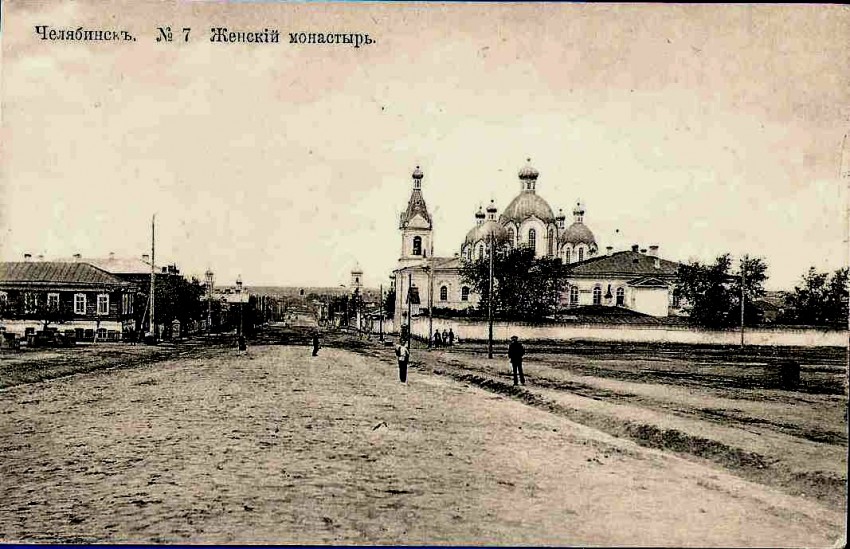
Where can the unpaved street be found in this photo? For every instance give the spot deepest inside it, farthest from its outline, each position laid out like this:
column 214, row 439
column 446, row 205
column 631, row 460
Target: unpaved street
column 277, row 446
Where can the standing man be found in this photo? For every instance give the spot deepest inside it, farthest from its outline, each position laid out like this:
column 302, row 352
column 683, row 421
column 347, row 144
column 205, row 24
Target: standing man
column 437, row 340
column 403, row 354
column 445, row 337
column 315, row 343
column 451, row 337
column 515, row 352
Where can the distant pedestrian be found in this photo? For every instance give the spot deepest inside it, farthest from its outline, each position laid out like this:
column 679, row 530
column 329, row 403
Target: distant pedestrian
column 315, row 343
column 515, row 352
column 437, row 339
column 403, row 354
column 451, row 337
column 445, row 337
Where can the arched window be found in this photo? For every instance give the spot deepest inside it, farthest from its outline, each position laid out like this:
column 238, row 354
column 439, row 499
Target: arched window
column 621, row 297
column 480, row 251
column 551, row 243
column 356, row 281
column 532, row 240
column 444, row 293
column 676, row 301
column 417, row 245
column 464, row 293
column 573, row 295
column 511, row 236
column 568, row 255
column 581, row 254
column 597, row 295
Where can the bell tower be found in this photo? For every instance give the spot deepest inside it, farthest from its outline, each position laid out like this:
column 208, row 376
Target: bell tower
column 416, row 225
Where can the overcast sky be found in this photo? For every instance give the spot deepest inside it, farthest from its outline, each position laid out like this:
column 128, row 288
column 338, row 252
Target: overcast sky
column 703, row 129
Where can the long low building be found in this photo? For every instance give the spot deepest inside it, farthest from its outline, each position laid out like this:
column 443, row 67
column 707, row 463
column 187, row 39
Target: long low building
column 66, row 296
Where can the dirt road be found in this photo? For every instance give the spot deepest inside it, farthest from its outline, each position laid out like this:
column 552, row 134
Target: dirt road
column 276, row 446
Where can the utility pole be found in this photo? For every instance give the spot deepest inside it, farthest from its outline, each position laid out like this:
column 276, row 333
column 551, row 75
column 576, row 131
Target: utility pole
column 409, row 318
column 743, row 294
column 381, row 310
column 153, row 276
column 431, row 294
column 490, row 304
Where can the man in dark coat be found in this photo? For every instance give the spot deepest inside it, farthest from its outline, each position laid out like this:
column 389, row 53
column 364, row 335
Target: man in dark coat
column 315, row 343
column 515, row 352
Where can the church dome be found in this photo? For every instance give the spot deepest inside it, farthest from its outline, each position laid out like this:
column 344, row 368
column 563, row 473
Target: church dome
column 578, row 233
column 525, row 205
column 417, row 173
column 483, row 232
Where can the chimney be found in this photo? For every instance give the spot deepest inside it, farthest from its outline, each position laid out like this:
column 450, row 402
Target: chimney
column 111, row 256
column 146, row 258
column 635, row 247
column 653, row 250
column 41, row 257
column 643, row 250
column 27, row 257
column 657, row 263
column 78, row 256
column 609, row 250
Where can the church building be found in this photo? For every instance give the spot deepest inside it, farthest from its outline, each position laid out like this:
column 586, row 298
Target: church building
column 636, row 279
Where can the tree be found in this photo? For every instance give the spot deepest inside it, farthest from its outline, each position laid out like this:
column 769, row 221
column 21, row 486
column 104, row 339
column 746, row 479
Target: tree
column 819, row 300
column 524, row 288
column 176, row 299
column 389, row 303
column 712, row 293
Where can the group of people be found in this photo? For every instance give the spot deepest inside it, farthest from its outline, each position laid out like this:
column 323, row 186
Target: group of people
column 447, row 338
column 515, row 353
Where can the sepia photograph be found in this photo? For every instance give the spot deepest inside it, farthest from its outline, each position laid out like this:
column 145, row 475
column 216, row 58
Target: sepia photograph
column 424, row 273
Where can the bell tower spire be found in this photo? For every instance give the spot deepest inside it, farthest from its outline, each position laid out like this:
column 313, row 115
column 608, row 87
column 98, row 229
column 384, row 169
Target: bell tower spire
column 415, row 224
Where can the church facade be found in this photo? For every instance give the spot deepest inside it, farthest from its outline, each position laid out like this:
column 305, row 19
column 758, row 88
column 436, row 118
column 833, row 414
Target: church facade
column 635, row 279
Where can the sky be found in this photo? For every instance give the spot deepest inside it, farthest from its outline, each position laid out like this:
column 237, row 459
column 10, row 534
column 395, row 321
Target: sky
column 702, row 129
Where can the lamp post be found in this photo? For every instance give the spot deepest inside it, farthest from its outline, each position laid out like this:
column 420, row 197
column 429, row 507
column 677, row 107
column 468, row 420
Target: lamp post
column 490, row 304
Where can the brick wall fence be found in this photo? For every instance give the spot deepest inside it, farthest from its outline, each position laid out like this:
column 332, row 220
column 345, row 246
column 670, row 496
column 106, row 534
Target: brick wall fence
column 468, row 330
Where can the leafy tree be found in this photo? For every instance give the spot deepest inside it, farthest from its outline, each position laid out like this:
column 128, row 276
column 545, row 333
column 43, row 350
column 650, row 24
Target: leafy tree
column 819, row 300
column 712, row 292
column 389, row 303
column 524, row 287
column 176, row 299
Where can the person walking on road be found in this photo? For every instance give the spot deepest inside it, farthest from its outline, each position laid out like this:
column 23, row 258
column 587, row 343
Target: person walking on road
column 515, row 352
column 403, row 354
column 315, row 343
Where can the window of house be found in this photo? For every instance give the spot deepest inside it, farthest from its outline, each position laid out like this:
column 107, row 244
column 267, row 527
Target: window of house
column 480, row 251
column 464, row 293
column 532, row 239
column 101, row 333
column 597, row 295
column 551, row 243
column 127, row 304
column 574, row 295
column 581, row 254
column 568, row 255
column 621, row 297
column 103, row 304
column 675, row 300
column 444, row 293
column 53, row 302
column 30, row 302
column 79, row 304
column 417, row 245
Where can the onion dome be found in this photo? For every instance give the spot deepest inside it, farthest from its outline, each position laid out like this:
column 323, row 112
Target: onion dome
column 484, row 231
column 560, row 218
column 491, row 209
column 417, row 173
column 479, row 216
column 528, row 171
column 525, row 205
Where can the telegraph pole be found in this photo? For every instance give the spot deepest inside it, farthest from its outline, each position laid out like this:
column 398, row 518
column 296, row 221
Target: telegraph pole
column 381, row 309
column 490, row 304
column 409, row 318
column 743, row 294
column 153, row 276
column 431, row 294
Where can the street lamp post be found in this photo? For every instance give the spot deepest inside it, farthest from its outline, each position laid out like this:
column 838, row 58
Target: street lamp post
column 241, row 338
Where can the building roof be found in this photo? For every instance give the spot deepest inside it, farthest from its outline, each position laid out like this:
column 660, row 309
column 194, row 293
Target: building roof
column 626, row 263
column 526, row 204
column 116, row 265
column 415, row 206
column 55, row 273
